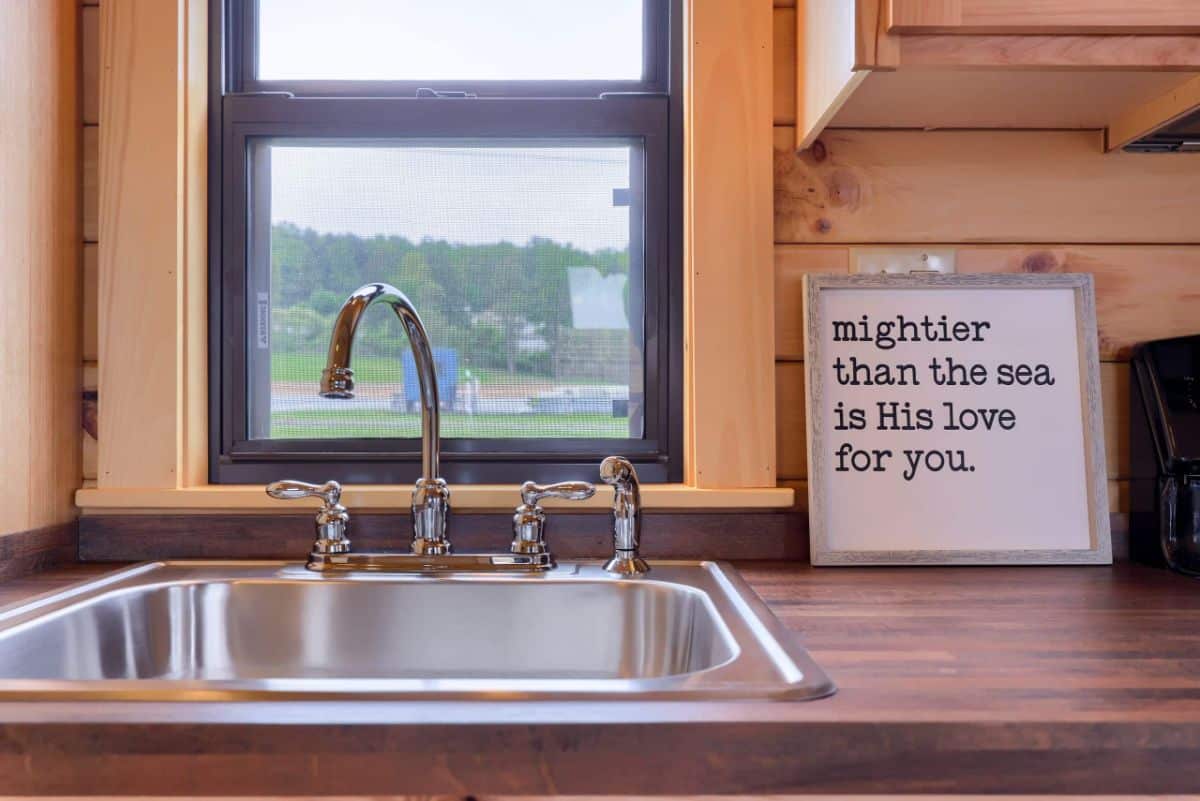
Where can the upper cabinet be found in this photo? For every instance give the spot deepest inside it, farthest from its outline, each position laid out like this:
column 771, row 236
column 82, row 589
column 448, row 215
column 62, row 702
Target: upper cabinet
column 1126, row 67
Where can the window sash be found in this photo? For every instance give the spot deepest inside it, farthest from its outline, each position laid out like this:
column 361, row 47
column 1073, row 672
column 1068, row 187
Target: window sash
column 241, row 107
column 241, row 55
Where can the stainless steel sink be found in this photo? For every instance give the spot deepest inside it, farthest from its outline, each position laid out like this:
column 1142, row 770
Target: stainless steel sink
column 264, row 630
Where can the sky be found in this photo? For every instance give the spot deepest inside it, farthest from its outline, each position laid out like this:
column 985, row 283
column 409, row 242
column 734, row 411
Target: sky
column 465, row 194
column 450, row 39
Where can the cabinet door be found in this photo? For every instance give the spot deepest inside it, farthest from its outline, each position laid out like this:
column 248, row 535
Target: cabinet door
column 1045, row 16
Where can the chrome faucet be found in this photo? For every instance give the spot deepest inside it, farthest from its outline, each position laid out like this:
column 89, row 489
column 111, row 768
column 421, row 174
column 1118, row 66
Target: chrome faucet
column 430, row 550
column 431, row 496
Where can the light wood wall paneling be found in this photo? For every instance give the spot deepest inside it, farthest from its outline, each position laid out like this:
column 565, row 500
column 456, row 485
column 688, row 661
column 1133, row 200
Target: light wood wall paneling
column 729, row 262
column 786, row 66
column 90, row 277
column 792, row 263
column 859, row 186
column 88, row 443
column 791, row 437
column 1142, row 292
column 91, row 184
column 1114, row 394
column 150, row 230
column 39, row 229
column 89, row 22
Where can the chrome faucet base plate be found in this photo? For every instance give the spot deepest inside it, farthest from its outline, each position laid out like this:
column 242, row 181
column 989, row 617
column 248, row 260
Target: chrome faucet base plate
column 387, row 562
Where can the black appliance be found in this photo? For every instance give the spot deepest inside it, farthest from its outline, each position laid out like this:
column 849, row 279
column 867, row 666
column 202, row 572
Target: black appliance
column 1164, row 521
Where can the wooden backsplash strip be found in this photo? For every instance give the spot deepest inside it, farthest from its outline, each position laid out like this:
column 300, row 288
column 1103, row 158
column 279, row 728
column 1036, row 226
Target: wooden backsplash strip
column 864, row 186
column 1142, row 293
column 790, row 433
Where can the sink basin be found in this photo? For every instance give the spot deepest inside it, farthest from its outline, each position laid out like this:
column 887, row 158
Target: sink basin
column 263, row 630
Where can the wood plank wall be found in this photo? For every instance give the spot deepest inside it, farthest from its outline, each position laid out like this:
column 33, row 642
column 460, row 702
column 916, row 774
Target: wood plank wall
column 1010, row 201
column 39, row 233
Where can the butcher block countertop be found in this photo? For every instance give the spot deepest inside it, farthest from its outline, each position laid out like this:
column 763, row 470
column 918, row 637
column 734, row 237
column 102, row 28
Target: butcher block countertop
column 1080, row 680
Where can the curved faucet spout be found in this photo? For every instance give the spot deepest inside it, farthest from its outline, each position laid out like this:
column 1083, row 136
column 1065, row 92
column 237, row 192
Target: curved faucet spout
column 431, row 498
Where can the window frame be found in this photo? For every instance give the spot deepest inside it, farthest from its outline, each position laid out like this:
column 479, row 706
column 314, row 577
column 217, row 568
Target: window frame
column 646, row 110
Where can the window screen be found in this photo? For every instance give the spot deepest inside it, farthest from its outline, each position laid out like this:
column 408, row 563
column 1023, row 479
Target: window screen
column 517, row 256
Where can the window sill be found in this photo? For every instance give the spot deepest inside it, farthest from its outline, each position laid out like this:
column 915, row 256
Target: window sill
column 250, row 499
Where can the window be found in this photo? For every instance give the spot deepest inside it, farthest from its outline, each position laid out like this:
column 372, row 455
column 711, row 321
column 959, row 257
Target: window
column 514, row 168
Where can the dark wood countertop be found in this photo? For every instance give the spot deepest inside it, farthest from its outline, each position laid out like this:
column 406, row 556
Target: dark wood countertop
column 1082, row 680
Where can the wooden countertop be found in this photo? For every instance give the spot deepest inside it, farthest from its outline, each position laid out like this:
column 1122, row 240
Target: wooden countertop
column 1081, row 680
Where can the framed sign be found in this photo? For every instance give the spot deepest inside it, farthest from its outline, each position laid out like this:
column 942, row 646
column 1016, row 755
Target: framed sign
column 954, row 419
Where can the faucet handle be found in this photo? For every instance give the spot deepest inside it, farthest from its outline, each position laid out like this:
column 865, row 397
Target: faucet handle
column 531, row 493
column 529, row 519
column 331, row 521
column 288, row 490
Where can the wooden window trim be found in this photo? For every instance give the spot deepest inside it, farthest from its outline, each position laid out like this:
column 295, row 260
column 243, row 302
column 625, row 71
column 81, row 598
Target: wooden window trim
column 152, row 317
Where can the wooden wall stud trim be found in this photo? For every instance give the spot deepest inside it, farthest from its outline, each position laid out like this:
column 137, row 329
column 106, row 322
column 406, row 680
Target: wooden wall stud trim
column 151, row 232
column 730, row 276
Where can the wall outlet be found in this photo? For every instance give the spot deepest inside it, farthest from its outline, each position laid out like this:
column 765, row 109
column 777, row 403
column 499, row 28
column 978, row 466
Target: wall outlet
column 902, row 260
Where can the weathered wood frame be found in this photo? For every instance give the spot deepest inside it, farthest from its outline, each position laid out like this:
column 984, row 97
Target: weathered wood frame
column 1091, row 409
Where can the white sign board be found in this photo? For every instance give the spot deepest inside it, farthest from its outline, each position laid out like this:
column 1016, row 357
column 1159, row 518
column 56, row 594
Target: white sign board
column 954, row 420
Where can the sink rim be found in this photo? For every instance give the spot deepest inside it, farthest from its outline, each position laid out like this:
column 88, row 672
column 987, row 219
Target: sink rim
column 756, row 638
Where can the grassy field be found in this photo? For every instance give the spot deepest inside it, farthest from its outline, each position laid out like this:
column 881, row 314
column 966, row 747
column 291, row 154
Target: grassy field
column 304, row 367
column 325, row 424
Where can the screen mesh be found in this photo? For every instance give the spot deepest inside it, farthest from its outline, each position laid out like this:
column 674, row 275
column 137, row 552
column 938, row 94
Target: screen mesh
column 517, row 257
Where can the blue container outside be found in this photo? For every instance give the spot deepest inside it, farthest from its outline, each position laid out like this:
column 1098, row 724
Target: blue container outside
column 445, row 361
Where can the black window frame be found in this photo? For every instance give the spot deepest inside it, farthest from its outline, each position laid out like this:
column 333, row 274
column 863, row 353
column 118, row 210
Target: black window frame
column 243, row 108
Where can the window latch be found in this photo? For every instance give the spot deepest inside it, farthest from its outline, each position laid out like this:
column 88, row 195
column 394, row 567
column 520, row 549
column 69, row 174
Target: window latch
column 435, row 93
